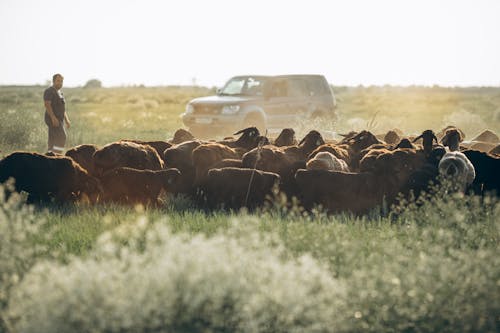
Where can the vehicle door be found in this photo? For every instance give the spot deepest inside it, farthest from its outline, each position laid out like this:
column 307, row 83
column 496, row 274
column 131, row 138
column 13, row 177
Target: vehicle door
column 277, row 104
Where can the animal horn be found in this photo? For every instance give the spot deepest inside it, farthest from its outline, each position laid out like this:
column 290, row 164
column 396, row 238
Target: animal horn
column 240, row 131
column 417, row 138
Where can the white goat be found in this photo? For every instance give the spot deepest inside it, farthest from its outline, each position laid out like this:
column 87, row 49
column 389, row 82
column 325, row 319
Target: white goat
column 327, row 161
column 457, row 167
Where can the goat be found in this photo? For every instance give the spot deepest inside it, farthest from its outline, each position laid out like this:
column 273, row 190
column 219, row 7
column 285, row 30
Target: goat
column 83, row 155
column 286, row 138
column 452, row 139
column 128, row 185
column 326, row 161
column 457, row 167
column 126, row 154
column 236, row 187
column 428, row 137
column 486, row 167
column 49, row 177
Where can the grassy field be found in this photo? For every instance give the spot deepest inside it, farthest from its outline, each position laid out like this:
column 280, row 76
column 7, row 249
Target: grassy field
column 431, row 267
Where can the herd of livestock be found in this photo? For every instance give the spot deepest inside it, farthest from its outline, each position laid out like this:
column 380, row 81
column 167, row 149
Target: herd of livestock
column 356, row 174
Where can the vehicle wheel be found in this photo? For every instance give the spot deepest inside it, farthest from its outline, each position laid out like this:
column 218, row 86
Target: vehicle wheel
column 257, row 121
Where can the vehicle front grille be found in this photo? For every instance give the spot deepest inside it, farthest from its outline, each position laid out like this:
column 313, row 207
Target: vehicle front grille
column 206, row 109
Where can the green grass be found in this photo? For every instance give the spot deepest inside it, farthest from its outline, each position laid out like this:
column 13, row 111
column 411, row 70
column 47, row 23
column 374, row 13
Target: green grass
column 432, row 267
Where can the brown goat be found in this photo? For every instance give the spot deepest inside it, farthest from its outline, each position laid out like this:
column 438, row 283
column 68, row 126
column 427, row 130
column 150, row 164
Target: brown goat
column 180, row 136
column 286, row 138
column 452, row 139
column 179, row 156
column 336, row 192
column 126, row 154
column 49, row 177
column 391, row 137
column 83, row 155
column 207, row 155
column 236, row 187
column 159, row 146
column 128, row 185
column 336, row 150
column 487, row 136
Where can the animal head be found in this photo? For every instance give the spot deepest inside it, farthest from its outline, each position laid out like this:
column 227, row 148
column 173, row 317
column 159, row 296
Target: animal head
column 452, row 139
column 405, row 143
column 286, row 138
column 362, row 140
column 172, row 180
column 249, row 137
column 391, row 137
column 182, row 135
column 311, row 141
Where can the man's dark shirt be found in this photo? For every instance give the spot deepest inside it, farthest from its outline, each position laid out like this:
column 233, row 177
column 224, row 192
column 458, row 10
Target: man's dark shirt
column 57, row 102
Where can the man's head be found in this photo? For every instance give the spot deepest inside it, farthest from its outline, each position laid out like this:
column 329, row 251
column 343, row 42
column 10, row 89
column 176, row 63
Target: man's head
column 57, row 81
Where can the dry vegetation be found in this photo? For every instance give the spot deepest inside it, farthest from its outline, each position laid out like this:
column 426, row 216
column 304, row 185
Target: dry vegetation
column 431, row 267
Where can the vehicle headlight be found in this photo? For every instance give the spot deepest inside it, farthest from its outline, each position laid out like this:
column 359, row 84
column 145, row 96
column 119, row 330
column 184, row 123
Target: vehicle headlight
column 189, row 109
column 230, row 109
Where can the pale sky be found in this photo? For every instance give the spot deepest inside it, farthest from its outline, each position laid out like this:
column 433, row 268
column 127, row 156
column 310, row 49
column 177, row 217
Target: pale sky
column 154, row 42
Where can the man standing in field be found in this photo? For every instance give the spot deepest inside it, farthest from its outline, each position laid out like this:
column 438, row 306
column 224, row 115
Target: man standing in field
column 56, row 117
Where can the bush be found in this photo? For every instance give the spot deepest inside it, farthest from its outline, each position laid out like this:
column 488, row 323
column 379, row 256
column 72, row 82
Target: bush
column 93, row 83
column 18, row 249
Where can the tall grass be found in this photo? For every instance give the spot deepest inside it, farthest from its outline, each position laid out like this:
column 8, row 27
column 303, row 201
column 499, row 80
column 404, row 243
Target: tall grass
column 105, row 115
column 433, row 267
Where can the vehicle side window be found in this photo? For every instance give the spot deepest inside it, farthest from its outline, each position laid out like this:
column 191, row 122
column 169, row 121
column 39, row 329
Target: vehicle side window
column 297, row 88
column 317, row 87
column 279, row 89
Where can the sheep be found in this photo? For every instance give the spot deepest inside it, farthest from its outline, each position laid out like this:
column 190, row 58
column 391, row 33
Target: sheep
column 391, row 137
column 486, row 167
column 428, row 137
column 442, row 133
column 405, row 143
column 422, row 178
column 383, row 174
column 228, row 162
column 452, row 139
column 495, row 151
column 49, row 177
column 327, row 161
column 180, row 136
column 357, row 143
column 207, row 155
column 456, row 166
column 236, row 187
column 482, row 146
column 83, row 155
column 159, row 146
column 487, row 136
column 179, row 156
column 310, row 142
column 126, row 154
column 128, row 185
column 286, row 138
column 334, row 149
column 249, row 139
column 336, row 192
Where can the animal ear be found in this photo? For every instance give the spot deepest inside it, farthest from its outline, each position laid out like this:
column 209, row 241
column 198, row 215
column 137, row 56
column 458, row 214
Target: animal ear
column 318, row 142
column 434, row 137
column 240, row 131
column 417, row 138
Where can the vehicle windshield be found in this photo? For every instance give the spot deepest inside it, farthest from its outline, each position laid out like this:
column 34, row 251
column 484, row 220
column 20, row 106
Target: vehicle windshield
column 244, row 86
